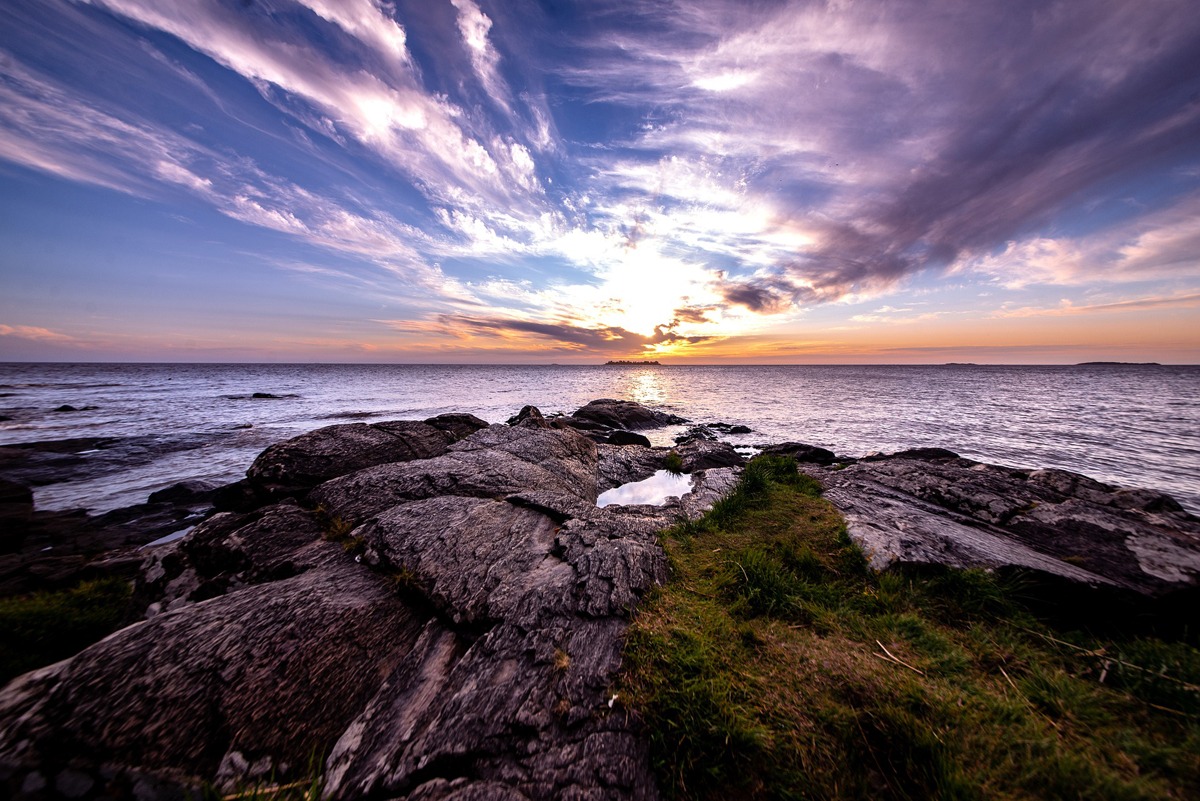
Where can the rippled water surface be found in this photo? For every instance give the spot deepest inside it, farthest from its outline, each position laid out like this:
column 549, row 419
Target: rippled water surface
column 1128, row 425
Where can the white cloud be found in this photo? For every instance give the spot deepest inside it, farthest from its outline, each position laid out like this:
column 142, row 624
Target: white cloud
column 417, row 132
column 1160, row 245
column 474, row 26
column 37, row 333
column 366, row 20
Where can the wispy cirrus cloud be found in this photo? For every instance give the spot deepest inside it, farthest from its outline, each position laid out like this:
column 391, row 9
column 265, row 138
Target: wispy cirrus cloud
column 1163, row 245
column 1068, row 309
column 46, row 127
column 415, row 131
column 38, row 334
column 650, row 174
column 896, row 139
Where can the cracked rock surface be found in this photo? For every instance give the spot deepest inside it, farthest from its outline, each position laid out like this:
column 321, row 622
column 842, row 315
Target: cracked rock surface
column 930, row 507
column 447, row 626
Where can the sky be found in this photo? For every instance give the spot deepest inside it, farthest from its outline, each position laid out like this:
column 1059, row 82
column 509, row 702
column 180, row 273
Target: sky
column 711, row 181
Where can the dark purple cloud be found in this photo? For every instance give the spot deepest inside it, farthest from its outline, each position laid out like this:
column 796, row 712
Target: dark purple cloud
column 942, row 129
column 567, row 336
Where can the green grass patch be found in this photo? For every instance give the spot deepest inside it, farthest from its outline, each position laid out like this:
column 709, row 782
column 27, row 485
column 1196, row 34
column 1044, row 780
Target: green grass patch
column 44, row 627
column 775, row 664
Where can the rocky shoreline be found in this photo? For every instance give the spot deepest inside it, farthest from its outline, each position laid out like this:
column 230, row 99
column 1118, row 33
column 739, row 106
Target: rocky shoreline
column 436, row 608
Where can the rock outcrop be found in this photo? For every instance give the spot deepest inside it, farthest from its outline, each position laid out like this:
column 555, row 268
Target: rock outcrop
column 628, row 415
column 436, row 609
column 930, row 507
column 302, row 462
column 443, row 627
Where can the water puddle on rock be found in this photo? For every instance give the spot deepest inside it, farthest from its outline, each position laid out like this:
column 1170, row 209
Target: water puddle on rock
column 653, row 491
column 174, row 535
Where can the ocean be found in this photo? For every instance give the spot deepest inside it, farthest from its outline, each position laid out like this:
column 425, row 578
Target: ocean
column 1130, row 425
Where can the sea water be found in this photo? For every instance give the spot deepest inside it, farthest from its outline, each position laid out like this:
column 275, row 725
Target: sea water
column 1129, row 425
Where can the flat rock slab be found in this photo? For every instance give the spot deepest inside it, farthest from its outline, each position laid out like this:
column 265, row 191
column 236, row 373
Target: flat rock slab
column 933, row 508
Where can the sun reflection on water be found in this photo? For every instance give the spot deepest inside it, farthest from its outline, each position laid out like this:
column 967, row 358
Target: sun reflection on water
column 646, row 388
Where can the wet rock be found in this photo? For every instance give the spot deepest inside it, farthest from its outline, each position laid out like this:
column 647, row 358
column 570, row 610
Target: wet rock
column 302, row 462
column 624, row 414
column 57, row 549
column 66, row 407
column 627, row 438
column 242, row 495
column 804, row 454
column 929, row 507
column 529, row 417
column 183, row 493
column 709, row 431
column 702, row 455
column 923, row 454
column 702, row 432
column 229, row 551
column 584, row 425
column 457, row 425
column 16, row 501
column 16, row 510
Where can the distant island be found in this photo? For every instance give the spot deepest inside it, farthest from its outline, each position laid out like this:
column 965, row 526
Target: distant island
column 623, row 363
column 1123, row 364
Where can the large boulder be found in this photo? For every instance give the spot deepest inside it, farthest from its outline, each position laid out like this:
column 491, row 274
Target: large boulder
column 497, row 460
column 302, row 462
column 459, row 425
column 930, row 507
column 624, row 414
column 254, row 682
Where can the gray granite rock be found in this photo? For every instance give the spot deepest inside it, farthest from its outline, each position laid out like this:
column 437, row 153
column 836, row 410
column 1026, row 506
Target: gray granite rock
column 699, row 454
column 932, row 507
column 302, row 462
column 621, row 464
column 464, row 645
column 495, row 461
column 273, row 672
column 623, row 414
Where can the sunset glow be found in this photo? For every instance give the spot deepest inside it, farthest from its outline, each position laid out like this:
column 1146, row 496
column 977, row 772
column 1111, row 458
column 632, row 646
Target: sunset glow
column 463, row 181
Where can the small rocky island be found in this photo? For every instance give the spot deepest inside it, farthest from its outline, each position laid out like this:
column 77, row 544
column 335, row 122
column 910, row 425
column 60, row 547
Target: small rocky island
column 436, row 609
